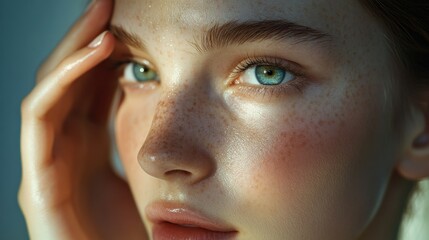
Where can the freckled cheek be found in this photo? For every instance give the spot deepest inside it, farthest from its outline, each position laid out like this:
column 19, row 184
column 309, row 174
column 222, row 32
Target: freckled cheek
column 296, row 159
column 295, row 155
column 284, row 167
column 314, row 164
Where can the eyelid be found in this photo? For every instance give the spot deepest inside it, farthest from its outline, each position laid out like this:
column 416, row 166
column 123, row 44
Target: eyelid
column 128, row 85
column 120, row 61
column 266, row 92
column 141, row 61
column 251, row 61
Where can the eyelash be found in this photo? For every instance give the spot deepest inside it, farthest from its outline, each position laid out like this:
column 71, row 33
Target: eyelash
column 298, row 84
column 121, row 65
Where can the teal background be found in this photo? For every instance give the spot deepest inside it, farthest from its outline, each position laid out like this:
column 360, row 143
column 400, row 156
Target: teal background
column 30, row 29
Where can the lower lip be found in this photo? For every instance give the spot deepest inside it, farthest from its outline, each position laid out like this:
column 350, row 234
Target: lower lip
column 170, row 231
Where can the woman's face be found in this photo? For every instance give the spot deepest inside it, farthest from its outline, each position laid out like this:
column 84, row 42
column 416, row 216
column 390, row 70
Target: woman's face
column 267, row 128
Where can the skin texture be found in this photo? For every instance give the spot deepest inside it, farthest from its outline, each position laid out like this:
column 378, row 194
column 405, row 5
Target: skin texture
column 312, row 158
column 313, row 164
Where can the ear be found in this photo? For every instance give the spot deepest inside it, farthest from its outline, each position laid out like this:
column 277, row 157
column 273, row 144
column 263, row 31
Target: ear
column 414, row 164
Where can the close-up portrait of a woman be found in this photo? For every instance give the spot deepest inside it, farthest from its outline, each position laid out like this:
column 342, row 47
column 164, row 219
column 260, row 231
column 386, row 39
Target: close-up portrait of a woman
column 231, row 119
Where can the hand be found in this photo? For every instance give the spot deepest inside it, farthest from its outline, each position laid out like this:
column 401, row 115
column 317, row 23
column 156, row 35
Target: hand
column 69, row 189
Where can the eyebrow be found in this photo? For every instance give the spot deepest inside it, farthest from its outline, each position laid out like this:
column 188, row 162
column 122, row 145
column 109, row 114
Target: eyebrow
column 238, row 33
column 126, row 37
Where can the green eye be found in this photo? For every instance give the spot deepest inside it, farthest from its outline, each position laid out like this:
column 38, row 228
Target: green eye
column 269, row 75
column 140, row 73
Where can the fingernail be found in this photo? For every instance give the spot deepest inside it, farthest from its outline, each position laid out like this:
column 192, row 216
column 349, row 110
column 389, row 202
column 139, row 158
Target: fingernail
column 97, row 41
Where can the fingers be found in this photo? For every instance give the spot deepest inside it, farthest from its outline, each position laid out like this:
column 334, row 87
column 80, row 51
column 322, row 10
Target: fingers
column 56, row 83
column 46, row 107
column 92, row 22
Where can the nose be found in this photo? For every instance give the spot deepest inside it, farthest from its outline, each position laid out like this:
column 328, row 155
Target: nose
column 174, row 149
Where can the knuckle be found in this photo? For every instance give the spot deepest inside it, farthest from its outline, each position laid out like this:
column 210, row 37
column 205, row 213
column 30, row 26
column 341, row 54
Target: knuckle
column 25, row 105
column 21, row 197
column 27, row 108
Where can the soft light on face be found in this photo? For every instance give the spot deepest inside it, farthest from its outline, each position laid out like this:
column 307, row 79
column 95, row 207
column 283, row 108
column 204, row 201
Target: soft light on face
column 308, row 157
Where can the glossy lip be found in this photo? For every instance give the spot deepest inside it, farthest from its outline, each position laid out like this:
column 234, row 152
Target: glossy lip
column 182, row 215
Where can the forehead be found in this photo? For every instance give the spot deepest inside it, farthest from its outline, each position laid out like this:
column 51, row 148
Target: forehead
column 169, row 26
column 328, row 15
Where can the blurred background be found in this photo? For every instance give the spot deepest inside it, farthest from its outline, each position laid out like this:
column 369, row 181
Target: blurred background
column 30, row 30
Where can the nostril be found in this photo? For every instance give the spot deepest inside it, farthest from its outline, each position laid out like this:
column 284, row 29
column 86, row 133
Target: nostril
column 178, row 172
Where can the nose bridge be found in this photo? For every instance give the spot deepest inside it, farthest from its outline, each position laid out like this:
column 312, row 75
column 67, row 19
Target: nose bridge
column 174, row 148
column 179, row 117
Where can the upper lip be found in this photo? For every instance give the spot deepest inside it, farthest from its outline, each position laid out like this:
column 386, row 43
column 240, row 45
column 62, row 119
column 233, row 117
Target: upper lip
column 181, row 214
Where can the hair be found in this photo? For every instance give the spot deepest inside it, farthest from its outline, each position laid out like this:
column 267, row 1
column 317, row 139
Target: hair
column 407, row 31
column 406, row 23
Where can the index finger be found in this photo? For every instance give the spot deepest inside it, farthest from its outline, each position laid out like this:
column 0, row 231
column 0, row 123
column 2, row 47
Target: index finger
column 86, row 28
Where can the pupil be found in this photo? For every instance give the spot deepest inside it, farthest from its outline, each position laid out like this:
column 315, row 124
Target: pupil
column 269, row 72
column 143, row 73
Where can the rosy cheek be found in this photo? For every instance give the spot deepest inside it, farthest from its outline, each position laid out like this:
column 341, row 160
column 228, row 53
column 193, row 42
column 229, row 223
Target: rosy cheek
column 325, row 138
column 302, row 156
column 315, row 159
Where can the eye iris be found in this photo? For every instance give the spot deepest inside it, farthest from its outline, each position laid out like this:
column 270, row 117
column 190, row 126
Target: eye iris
column 269, row 75
column 143, row 73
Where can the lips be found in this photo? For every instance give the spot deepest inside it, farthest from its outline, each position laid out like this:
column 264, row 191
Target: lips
column 177, row 221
